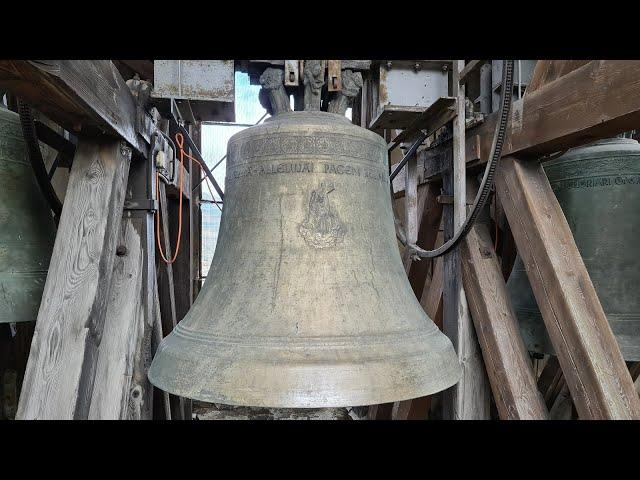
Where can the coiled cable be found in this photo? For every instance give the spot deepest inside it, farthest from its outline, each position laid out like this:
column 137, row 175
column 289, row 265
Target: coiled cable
column 489, row 172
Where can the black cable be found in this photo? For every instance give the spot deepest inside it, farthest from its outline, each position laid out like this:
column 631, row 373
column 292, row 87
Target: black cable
column 489, row 172
column 412, row 150
column 35, row 157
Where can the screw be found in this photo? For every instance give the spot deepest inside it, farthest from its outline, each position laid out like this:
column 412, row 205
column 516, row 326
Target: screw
column 121, row 250
column 389, row 65
column 417, row 67
column 445, row 67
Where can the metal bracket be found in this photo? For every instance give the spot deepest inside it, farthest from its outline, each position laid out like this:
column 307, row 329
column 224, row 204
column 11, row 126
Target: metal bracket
column 141, row 204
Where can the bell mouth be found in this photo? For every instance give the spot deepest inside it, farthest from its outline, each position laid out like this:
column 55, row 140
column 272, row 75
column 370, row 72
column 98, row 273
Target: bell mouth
column 320, row 374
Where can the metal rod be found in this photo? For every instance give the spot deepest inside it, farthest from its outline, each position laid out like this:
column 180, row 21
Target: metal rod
column 197, row 154
column 407, row 156
column 225, row 155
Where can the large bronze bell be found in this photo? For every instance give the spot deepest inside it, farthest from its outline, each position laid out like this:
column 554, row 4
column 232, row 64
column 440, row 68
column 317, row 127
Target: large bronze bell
column 27, row 229
column 598, row 188
column 306, row 303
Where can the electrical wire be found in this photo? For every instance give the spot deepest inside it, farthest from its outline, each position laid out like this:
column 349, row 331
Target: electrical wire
column 180, row 142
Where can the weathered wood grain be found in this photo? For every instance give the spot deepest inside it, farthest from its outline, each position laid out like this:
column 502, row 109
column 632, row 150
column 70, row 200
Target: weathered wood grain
column 591, row 361
column 469, row 398
column 120, row 389
column 90, row 95
column 59, row 377
column 546, row 71
column 508, row 365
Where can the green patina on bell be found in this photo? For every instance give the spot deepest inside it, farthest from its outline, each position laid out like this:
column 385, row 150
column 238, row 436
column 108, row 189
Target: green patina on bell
column 27, row 229
column 598, row 188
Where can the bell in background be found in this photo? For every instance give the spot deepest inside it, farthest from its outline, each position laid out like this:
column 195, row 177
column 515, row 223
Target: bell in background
column 27, row 229
column 598, row 188
column 306, row 303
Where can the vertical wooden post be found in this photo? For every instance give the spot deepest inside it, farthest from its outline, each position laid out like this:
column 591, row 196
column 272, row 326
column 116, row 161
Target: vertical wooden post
column 588, row 353
column 469, row 398
column 121, row 388
column 58, row 381
column 411, row 204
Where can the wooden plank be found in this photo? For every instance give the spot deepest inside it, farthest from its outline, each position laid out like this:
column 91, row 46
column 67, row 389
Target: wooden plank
column 546, row 71
column 395, row 117
column 430, row 215
column 161, row 399
column 551, row 381
column 591, row 361
column 410, row 206
column 508, row 365
column 81, row 95
column 469, row 68
column 118, row 392
column 121, row 388
column 166, row 289
column 469, row 398
column 59, row 378
column 598, row 100
column 431, row 298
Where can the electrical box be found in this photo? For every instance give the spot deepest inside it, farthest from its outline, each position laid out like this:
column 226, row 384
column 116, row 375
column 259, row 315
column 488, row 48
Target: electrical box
column 405, row 89
column 413, row 83
column 207, row 85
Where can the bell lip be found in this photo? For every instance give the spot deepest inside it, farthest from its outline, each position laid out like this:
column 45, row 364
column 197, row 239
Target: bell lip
column 385, row 397
column 434, row 371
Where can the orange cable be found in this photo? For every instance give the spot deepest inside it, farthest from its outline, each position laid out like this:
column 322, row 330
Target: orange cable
column 180, row 142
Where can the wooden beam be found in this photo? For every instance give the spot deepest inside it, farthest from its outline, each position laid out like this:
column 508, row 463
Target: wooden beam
column 89, row 96
column 58, row 381
column 546, row 71
column 597, row 100
column 469, row 398
column 591, row 361
column 508, row 365
column 121, row 389
column 430, row 215
column 469, row 68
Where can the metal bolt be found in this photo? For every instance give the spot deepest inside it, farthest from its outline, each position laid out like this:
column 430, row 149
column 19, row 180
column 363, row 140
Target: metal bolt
column 445, row 67
column 389, row 65
column 417, row 67
column 121, row 250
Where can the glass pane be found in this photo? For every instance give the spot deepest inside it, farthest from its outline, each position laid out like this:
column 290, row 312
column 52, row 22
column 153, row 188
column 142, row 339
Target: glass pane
column 248, row 108
column 210, row 225
column 214, row 148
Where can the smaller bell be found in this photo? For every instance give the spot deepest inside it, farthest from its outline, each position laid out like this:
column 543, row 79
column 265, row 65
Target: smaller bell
column 598, row 188
column 27, row 229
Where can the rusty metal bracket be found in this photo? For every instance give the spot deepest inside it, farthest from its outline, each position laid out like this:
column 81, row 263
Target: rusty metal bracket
column 334, row 75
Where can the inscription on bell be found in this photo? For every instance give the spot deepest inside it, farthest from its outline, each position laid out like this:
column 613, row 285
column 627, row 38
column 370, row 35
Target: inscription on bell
column 330, row 145
column 607, row 181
